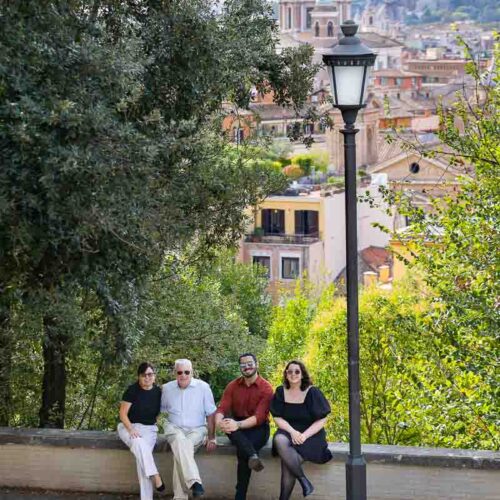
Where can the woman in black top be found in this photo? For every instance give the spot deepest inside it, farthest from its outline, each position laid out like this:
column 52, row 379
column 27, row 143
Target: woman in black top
column 299, row 410
column 139, row 409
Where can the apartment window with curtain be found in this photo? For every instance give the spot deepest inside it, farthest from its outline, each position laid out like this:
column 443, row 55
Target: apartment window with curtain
column 290, row 268
column 273, row 221
column 306, row 222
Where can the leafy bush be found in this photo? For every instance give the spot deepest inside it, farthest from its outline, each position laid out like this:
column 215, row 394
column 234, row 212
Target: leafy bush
column 411, row 394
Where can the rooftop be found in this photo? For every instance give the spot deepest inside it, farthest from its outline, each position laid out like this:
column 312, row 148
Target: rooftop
column 372, row 40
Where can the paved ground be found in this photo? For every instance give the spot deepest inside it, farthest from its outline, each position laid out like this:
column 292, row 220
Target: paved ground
column 15, row 494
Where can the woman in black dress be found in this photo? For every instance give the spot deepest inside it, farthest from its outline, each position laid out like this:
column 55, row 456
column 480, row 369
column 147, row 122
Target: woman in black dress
column 299, row 410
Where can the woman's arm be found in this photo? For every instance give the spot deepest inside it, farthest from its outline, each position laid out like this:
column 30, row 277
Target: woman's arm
column 314, row 428
column 297, row 437
column 124, row 408
column 284, row 425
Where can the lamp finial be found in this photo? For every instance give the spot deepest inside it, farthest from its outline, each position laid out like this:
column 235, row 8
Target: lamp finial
column 349, row 28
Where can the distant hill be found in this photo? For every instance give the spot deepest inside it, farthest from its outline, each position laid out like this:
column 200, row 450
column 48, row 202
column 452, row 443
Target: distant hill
column 435, row 11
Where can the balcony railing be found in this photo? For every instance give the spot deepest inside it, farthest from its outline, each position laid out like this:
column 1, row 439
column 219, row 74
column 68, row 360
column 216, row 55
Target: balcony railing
column 284, row 239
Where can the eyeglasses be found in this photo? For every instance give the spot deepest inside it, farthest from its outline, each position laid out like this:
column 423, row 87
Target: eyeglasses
column 293, row 372
column 148, row 374
column 186, row 372
column 249, row 364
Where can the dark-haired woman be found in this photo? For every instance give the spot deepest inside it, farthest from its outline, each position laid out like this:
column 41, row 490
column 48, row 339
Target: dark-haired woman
column 299, row 410
column 139, row 409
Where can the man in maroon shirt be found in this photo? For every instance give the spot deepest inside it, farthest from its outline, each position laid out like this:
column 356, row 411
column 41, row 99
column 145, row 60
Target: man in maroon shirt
column 243, row 414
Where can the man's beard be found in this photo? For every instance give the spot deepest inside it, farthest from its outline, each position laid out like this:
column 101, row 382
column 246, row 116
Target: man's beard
column 250, row 374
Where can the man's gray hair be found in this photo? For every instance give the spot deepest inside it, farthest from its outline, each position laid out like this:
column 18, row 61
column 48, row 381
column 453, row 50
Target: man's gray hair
column 181, row 362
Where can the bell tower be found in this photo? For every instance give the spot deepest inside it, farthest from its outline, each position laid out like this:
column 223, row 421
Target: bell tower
column 328, row 15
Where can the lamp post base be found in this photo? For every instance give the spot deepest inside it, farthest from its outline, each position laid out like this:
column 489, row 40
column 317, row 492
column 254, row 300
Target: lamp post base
column 355, row 475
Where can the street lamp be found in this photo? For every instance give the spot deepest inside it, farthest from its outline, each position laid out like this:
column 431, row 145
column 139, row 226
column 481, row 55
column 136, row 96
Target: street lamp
column 348, row 64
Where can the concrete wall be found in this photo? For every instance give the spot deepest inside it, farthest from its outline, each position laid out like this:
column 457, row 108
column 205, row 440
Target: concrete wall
column 334, row 234
column 99, row 462
column 367, row 216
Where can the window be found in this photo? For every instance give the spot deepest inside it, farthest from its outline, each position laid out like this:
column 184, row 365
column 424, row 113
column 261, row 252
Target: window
column 330, row 29
column 316, row 29
column 239, row 135
column 308, row 128
column 306, row 222
column 289, row 18
column 290, row 268
column 263, row 261
column 273, row 221
column 308, row 17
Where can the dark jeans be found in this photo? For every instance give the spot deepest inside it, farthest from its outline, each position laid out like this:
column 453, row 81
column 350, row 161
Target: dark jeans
column 247, row 442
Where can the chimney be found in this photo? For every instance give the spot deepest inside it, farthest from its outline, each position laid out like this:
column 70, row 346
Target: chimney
column 384, row 274
column 369, row 278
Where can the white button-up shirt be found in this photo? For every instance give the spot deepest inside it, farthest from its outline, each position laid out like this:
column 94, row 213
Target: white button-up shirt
column 189, row 407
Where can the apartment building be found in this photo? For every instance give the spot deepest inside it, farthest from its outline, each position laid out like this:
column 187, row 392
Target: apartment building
column 304, row 235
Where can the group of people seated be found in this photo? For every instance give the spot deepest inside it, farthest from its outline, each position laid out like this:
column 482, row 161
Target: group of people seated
column 299, row 410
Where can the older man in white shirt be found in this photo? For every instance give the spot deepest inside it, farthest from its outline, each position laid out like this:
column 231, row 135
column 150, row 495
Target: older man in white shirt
column 190, row 406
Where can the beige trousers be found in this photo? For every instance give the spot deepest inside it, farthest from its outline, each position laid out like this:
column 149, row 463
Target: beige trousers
column 142, row 448
column 184, row 443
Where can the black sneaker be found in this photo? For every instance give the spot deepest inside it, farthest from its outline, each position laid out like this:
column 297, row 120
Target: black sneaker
column 197, row 490
column 255, row 463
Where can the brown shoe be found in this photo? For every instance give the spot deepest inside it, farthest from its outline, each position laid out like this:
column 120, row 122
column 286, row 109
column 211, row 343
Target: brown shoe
column 255, row 463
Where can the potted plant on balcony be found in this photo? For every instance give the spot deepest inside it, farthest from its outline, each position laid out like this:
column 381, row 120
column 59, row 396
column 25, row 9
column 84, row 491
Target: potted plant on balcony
column 257, row 234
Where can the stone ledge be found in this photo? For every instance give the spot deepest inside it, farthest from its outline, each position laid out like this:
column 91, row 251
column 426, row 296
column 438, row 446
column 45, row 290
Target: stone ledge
column 376, row 454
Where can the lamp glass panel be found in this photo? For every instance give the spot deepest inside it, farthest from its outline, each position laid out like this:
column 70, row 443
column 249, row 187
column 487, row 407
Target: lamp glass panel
column 367, row 81
column 332, row 83
column 349, row 80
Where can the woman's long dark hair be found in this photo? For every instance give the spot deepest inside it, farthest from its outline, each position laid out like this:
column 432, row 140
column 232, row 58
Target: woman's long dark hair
column 306, row 378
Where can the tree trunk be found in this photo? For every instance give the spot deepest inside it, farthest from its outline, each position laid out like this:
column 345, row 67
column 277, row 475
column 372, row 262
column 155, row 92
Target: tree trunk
column 55, row 347
column 5, row 366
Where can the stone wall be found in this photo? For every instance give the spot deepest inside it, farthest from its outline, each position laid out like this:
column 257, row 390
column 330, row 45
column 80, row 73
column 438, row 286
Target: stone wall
column 99, row 462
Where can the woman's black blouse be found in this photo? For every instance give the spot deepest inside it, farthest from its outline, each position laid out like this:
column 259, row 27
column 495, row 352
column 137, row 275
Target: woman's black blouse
column 315, row 407
column 145, row 404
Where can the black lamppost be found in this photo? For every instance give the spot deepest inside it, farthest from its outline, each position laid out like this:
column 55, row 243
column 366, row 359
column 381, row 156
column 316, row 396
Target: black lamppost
column 348, row 64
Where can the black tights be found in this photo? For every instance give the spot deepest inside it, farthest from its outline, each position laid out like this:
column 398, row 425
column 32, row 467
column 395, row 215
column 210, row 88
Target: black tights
column 291, row 464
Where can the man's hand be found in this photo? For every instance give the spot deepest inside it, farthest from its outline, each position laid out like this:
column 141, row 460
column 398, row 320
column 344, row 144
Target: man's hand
column 229, row 425
column 134, row 433
column 297, row 437
column 211, row 444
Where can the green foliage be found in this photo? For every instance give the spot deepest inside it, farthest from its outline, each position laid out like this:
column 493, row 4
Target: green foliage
column 209, row 312
column 308, row 161
column 410, row 395
column 245, row 290
column 112, row 155
column 338, row 182
column 455, row 248
column 289, row 329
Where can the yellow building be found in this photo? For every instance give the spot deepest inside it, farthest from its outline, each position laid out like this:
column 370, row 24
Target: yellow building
column 304, row 234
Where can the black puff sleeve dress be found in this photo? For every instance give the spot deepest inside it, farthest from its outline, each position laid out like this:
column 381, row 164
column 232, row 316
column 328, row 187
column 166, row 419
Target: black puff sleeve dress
column 301, row 416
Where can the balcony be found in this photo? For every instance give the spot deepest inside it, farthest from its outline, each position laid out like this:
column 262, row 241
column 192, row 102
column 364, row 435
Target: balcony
column 283, row 239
